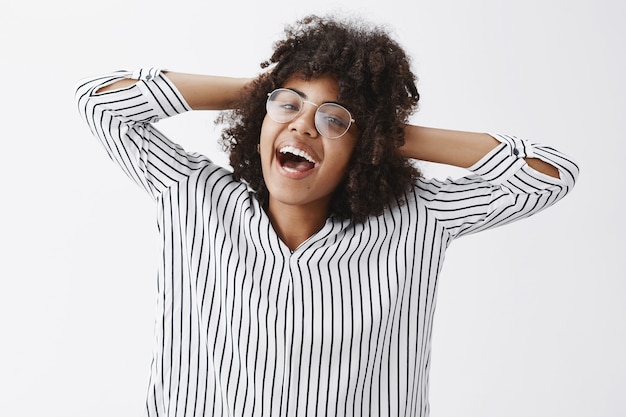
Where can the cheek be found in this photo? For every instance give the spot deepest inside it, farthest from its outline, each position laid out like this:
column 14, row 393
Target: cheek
column 343, row 153
column 269, row 133
column 266, row 135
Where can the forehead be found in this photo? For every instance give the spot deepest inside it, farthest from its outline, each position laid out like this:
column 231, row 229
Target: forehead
column 324, row 88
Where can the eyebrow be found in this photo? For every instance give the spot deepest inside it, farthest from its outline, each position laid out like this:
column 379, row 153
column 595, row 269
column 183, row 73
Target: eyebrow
column 304, row 96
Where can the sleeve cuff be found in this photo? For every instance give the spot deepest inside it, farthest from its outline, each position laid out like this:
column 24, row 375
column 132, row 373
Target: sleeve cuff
column 145, row 74
column 519, row 148
column 163, row 95
column 504, row 160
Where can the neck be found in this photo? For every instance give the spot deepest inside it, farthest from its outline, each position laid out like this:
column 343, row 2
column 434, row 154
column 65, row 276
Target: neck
column 294, row 224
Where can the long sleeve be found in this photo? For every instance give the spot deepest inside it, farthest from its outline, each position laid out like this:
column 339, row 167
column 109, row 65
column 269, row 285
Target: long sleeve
column 123, row 122
column 502, row 188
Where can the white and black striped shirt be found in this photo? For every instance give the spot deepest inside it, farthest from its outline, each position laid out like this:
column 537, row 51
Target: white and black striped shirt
column 340, row 327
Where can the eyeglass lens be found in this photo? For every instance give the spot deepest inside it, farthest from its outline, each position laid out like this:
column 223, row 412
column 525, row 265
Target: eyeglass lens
column 331, row 120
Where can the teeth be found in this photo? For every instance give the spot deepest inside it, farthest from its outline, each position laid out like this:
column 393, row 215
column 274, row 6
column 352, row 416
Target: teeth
column 297, row 152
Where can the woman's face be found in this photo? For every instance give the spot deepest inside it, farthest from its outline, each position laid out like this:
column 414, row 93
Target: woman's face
column 302, row 168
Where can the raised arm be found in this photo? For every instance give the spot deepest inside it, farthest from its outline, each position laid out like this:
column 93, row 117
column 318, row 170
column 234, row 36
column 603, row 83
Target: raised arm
column 121, row 108
column 511, row 178
column 201, row 92
column 457, row 148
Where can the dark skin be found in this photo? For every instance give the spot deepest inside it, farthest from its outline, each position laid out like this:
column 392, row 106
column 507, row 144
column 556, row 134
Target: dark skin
column 294, row 223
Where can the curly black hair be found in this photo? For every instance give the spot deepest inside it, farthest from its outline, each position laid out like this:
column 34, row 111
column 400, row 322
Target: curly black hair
column 376, row 81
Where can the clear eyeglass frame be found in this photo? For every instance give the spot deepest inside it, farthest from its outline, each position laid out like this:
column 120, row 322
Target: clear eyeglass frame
column 332, row 120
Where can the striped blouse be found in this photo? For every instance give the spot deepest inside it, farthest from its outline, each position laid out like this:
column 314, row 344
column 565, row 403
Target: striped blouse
column 342, row 325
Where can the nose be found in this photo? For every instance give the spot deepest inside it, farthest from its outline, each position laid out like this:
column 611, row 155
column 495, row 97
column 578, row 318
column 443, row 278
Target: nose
column 304, row 123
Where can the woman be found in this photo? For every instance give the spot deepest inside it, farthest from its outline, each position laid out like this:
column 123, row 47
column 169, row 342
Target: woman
column 304, row 282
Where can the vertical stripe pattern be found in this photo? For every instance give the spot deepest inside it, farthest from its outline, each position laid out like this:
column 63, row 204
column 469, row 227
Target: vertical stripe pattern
column 339, row 327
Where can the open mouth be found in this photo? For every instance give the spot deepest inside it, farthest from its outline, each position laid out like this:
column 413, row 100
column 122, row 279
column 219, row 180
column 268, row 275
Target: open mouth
column 295, row 160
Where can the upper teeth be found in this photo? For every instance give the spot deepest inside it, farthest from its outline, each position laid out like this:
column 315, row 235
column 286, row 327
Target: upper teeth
column 297, row 152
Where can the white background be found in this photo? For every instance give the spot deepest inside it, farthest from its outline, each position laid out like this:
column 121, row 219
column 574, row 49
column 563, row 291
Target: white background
column 541, row 332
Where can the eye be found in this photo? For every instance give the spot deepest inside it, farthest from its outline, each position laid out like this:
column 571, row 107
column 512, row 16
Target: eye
column 337, row 122
column 334, row 117
column 286, row 101
column 289, row 107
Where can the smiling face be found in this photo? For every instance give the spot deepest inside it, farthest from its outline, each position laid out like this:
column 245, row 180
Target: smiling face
column 302, row 168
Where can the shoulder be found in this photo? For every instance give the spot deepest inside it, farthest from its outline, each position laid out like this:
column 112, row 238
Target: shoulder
column 208, row 174
column 435, row 195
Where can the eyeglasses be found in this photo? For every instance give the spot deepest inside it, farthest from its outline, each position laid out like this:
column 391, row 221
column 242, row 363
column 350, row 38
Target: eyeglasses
column 331, row 120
